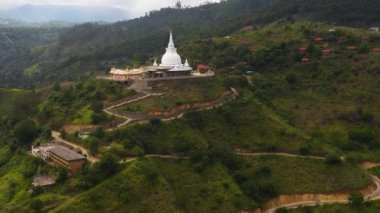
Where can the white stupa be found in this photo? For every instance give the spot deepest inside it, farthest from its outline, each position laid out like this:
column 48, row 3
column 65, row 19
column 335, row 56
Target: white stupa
column 172, row 59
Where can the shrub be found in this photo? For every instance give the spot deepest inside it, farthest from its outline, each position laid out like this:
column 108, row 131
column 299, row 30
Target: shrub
column 333, row 159
column 291, row 78
column 356, row 199
column 364, row 135
column 25, row 131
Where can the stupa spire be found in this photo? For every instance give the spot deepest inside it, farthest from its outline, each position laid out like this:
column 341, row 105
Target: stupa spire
column 171, row 40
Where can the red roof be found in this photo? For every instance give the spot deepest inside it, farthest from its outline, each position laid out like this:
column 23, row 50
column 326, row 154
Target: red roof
column 248, row 28
column 327, row 51
column 203, row 67
column 305, row 59
column 318, row 39
column 302, row 49
column 352, row 48
column 376, row 50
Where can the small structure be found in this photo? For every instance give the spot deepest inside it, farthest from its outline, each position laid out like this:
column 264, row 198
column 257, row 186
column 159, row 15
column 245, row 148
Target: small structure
column 126, row 74
column 202, row 67
column 302, row 49
column 247, row 28
column 376, row 50
column 67, row 158
column 305, row 60
column 352, row 48
column 318, row 40
column 41, row 179
column 327, row 51
column 376, row 29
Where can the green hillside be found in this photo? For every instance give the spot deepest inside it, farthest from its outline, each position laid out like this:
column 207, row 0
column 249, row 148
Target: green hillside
column 305, row 86
column 91, row 48
column 178, row 186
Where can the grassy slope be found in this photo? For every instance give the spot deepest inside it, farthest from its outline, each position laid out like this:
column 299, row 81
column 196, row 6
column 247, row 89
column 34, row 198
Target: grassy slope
column 317, row 102
column 179, row 188
column 9, row 97
column 295, row 175
column 179, row 92
column 128, row 191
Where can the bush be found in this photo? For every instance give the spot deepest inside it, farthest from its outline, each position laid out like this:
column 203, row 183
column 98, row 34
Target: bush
column 364, row 135
column 333, row 159
column 25, row 131
column 62, row 175
column 356, row 199
column 304, row 150
column 291, row 78
column 36, row 205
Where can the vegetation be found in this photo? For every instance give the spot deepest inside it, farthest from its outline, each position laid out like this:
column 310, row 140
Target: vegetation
column 178, row 185
column 326, row 107
column 79, row 103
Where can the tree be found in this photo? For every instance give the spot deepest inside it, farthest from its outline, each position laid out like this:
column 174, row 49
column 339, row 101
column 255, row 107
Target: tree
column 333, row 159
column 356, row 199
column 178, row 4
column 93, row 145
column 25, row 131
column 63, row 175
column 109, row 165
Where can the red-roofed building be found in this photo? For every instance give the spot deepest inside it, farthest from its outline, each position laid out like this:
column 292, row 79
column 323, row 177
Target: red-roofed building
column 318, row 40
column 203, row 67
column 302, row 49
column 352, row 48
column 305, row 60
column 327, row 51
column 376, row 50
column 248, row 28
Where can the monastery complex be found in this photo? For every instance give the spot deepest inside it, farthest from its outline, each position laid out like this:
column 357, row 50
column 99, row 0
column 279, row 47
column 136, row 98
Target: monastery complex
column 171, row 67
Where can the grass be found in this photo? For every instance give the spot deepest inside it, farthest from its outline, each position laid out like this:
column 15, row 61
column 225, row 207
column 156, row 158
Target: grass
column 178, row 93
column 128, row 191
column 298, row 176
column 10, row 97
column 176, row 186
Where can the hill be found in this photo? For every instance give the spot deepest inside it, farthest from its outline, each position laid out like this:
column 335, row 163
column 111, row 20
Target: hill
column 92, row 48
column 341, row 12
column 77, row 14
column 326, row 106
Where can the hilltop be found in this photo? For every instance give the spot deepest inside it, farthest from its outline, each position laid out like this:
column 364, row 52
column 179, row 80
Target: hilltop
column 92, row 48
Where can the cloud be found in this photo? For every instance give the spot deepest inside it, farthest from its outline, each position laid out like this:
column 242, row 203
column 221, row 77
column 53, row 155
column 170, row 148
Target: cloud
column 135, row 7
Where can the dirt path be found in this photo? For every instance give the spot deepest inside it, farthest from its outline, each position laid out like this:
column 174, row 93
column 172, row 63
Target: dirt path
column 278, row 154
column 127, row 119
column 297, row 201
column 165, row 116
column 283, row 201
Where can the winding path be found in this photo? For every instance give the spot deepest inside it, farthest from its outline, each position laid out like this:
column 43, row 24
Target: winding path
column 375, row 195
column 129, row 118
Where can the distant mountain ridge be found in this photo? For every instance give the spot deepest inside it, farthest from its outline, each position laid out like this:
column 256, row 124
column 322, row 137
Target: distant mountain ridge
column 11, row 23
column 77, row 14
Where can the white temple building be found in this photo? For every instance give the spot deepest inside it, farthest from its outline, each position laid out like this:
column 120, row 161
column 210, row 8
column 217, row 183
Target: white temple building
column 171, row 63
column 171, row 67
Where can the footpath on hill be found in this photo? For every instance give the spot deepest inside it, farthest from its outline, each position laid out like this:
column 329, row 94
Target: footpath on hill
column 371, row 192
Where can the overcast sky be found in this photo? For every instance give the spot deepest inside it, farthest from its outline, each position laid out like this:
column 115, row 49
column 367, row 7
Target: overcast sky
column 136, row 7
